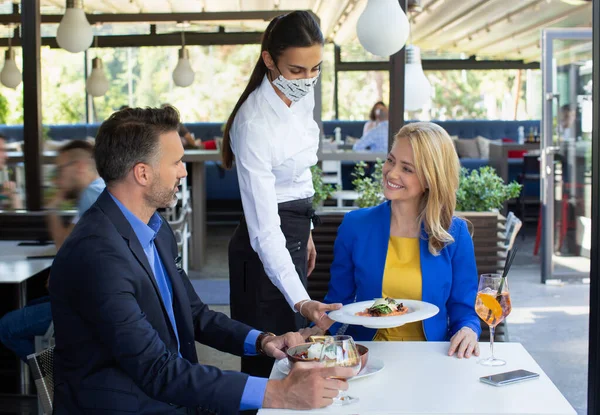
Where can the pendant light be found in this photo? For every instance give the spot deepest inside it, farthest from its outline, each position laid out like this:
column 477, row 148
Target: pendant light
column 10, row 76
column 417, row 89
column 183, row 75
column 383, row 27
column 97, row 84
column 74, row 32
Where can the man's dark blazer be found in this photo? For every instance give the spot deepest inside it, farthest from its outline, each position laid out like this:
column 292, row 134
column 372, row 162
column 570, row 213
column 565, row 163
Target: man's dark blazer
column 116, row 352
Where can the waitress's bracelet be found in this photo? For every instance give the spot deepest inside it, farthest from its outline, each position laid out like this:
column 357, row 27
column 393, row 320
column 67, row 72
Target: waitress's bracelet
column 302, row 305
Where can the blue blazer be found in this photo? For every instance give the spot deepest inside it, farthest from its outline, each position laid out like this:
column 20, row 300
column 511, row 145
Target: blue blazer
column 116, row 351
column 449, row 279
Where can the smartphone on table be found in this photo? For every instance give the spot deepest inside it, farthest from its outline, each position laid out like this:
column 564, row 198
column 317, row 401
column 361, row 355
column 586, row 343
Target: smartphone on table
column 506, row 378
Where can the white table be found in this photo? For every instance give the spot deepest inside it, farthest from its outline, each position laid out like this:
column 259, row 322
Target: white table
column 419, row 378
column 16, row 268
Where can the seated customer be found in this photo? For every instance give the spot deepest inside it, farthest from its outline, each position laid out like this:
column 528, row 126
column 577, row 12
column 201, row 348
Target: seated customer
column 125, row 313
column 376, row 139
column 78, row 179
column 412, row 246
column 9, row 197
column 378, row 114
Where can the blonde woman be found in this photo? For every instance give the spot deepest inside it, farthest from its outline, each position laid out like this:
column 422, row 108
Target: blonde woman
column 412, row 246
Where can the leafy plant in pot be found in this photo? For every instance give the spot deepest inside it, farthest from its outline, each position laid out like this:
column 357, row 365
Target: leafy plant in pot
column 323, row 191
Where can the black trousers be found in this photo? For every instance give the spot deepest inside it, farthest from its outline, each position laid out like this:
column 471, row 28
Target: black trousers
column 253, row 297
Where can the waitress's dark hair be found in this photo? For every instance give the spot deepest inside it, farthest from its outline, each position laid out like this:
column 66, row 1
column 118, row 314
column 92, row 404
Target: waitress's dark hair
column 295, row 29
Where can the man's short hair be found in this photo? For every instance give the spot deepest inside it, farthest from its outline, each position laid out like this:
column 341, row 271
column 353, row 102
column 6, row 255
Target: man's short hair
column 81, row 145
column 130, row 136
column 566, row 108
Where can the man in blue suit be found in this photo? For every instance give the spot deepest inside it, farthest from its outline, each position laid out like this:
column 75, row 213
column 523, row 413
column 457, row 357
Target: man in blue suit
column 125, row 314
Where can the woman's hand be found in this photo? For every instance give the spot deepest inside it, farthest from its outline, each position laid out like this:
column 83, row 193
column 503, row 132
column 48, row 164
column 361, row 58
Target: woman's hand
column 464, row 343
column 316, row 311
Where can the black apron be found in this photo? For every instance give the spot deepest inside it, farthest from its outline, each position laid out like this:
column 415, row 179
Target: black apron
column 253, row 297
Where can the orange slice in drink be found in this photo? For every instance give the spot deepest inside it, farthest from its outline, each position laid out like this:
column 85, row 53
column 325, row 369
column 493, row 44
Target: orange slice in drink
column 490, row 302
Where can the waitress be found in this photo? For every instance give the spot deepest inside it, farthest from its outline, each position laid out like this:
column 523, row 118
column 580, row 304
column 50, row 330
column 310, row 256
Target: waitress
column 274, row 139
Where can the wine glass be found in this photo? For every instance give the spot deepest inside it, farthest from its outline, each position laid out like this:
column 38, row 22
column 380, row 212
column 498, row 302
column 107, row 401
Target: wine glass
column 492, row 306
column 341, row 351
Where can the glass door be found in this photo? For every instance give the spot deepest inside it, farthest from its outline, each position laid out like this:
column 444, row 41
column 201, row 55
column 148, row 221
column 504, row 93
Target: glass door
column 565, row 161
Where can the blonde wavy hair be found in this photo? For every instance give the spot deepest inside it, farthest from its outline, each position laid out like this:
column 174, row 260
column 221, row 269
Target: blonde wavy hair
column 438, row 168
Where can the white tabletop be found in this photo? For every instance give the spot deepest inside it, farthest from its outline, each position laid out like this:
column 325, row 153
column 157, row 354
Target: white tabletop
column 419, row 378
column 15, row 267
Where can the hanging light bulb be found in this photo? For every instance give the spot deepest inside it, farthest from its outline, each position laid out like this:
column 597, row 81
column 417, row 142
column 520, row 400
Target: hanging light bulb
column 74, row 32
column 417, row 89
column 97, row 84
column 183, row 75
column 383, row 27
column 10, row 75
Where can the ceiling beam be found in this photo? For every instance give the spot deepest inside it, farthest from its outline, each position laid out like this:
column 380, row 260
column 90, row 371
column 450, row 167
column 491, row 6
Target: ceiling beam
column 453, row 21
column 487, row 26
column 167, row 39
column 548, row 22
column 443, row 65
column 265, row 15
column 335, row 21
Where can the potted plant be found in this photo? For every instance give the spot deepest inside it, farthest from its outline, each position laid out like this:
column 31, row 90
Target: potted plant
column 323, row 191
column 481, row 194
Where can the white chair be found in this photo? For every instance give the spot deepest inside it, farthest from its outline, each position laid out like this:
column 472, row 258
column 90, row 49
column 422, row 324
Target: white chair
column 342, row 195
column 181, row 229
column 332, row 172
column 512, row 227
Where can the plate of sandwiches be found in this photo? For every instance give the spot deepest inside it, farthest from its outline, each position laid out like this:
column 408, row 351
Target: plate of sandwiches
column 384, row 313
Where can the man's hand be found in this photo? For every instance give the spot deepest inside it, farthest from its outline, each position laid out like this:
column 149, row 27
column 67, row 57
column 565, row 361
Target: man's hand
column 9, row 190
column 312, row 255
column 311, row 331
column 464, row 343
column 316, row 311
column 307, row 386
column 275, row 346
column 57, row 200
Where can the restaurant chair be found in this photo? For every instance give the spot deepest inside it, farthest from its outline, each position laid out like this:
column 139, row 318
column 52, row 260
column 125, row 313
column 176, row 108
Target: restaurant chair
column 181, row 228
column 45, row 341
column 529, row 177
column 42, row 369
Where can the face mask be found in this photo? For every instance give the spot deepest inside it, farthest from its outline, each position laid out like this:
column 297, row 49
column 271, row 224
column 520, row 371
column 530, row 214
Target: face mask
column 295, row 89
column 377, row 113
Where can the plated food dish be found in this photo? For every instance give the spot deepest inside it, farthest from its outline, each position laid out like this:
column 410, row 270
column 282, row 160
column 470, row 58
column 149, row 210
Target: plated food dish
column 411, row 311
column 384, row 307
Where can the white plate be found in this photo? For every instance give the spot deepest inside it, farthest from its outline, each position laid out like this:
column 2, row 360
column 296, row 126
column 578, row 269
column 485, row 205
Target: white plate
column 417, row 311
column 374, row 365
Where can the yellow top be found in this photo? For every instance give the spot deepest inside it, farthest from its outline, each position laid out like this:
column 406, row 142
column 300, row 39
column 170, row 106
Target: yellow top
column 402, row 279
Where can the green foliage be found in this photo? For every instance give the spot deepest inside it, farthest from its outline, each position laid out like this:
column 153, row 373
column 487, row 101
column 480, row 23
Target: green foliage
column 143, row 77
column 480, row 190
column 45, row 133
column 4, row 109
column 483, row 190
column 323, row 191
column 368, row 187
